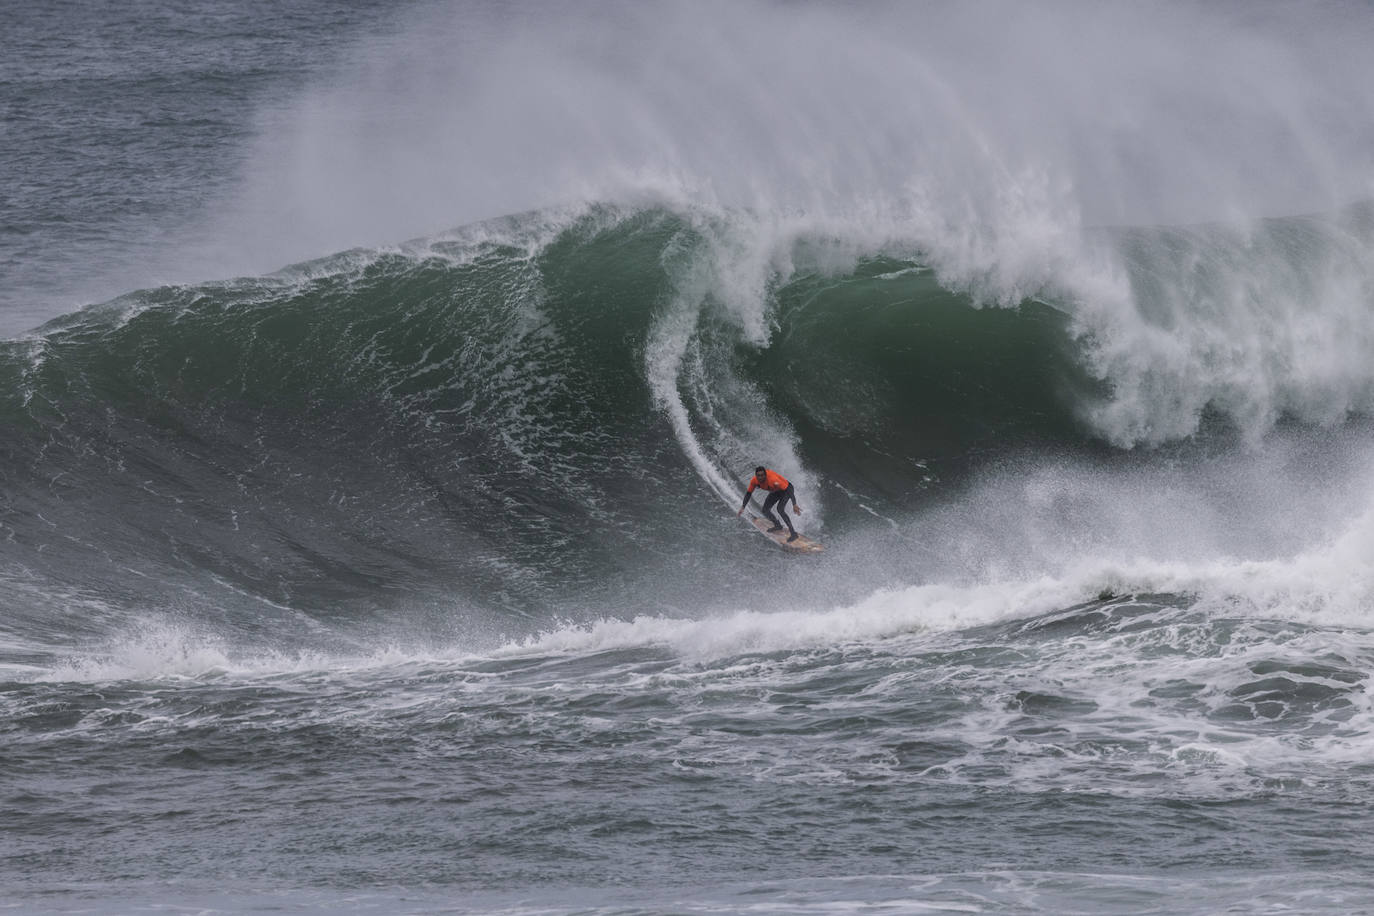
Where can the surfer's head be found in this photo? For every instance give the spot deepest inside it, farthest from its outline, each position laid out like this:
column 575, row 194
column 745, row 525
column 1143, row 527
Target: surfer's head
column 760, row 472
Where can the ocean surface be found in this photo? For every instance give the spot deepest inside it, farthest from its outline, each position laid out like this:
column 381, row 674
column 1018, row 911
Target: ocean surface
column 379, row 381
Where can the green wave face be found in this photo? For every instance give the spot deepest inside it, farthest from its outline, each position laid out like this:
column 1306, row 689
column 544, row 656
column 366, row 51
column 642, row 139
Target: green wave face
column 528, row 415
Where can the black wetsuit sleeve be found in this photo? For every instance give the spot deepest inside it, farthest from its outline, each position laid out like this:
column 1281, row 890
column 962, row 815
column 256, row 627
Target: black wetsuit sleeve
column 748, row 495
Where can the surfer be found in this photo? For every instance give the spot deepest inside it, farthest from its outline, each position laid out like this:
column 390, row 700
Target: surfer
column 779, row 492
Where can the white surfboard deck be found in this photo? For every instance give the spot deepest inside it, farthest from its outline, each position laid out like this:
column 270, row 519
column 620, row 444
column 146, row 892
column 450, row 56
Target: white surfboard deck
column 802, row 544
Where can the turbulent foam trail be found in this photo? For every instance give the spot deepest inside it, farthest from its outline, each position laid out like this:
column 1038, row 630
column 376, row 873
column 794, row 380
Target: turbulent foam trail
column 721, row 270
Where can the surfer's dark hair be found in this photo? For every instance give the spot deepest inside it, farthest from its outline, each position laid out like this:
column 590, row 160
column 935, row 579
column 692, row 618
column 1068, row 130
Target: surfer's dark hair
column 760, row 470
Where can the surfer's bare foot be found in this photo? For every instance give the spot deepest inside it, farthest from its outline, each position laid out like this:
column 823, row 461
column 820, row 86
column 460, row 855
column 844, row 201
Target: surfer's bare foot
column 793, row 537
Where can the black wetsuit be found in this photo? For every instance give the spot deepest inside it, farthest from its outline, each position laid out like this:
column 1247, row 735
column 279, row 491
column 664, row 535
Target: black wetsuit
column 780, row 498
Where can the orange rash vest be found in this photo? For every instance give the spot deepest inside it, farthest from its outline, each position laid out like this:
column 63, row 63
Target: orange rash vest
column 773, row 481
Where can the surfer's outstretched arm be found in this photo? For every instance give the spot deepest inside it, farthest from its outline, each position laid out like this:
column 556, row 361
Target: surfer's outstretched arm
column 748, row 494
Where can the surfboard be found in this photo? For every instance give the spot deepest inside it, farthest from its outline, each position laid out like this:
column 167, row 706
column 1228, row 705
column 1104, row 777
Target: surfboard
column 802, row 544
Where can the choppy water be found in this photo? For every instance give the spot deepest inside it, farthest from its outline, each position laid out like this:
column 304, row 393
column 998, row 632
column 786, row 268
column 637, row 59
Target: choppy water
column 407, row 578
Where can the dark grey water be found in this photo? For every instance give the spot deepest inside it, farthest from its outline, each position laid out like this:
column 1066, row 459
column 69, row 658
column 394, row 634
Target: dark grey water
column 408, row 579
column 1104, row 759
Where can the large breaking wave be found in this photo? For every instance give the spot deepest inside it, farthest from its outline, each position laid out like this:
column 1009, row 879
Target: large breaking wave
column 550, row 416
